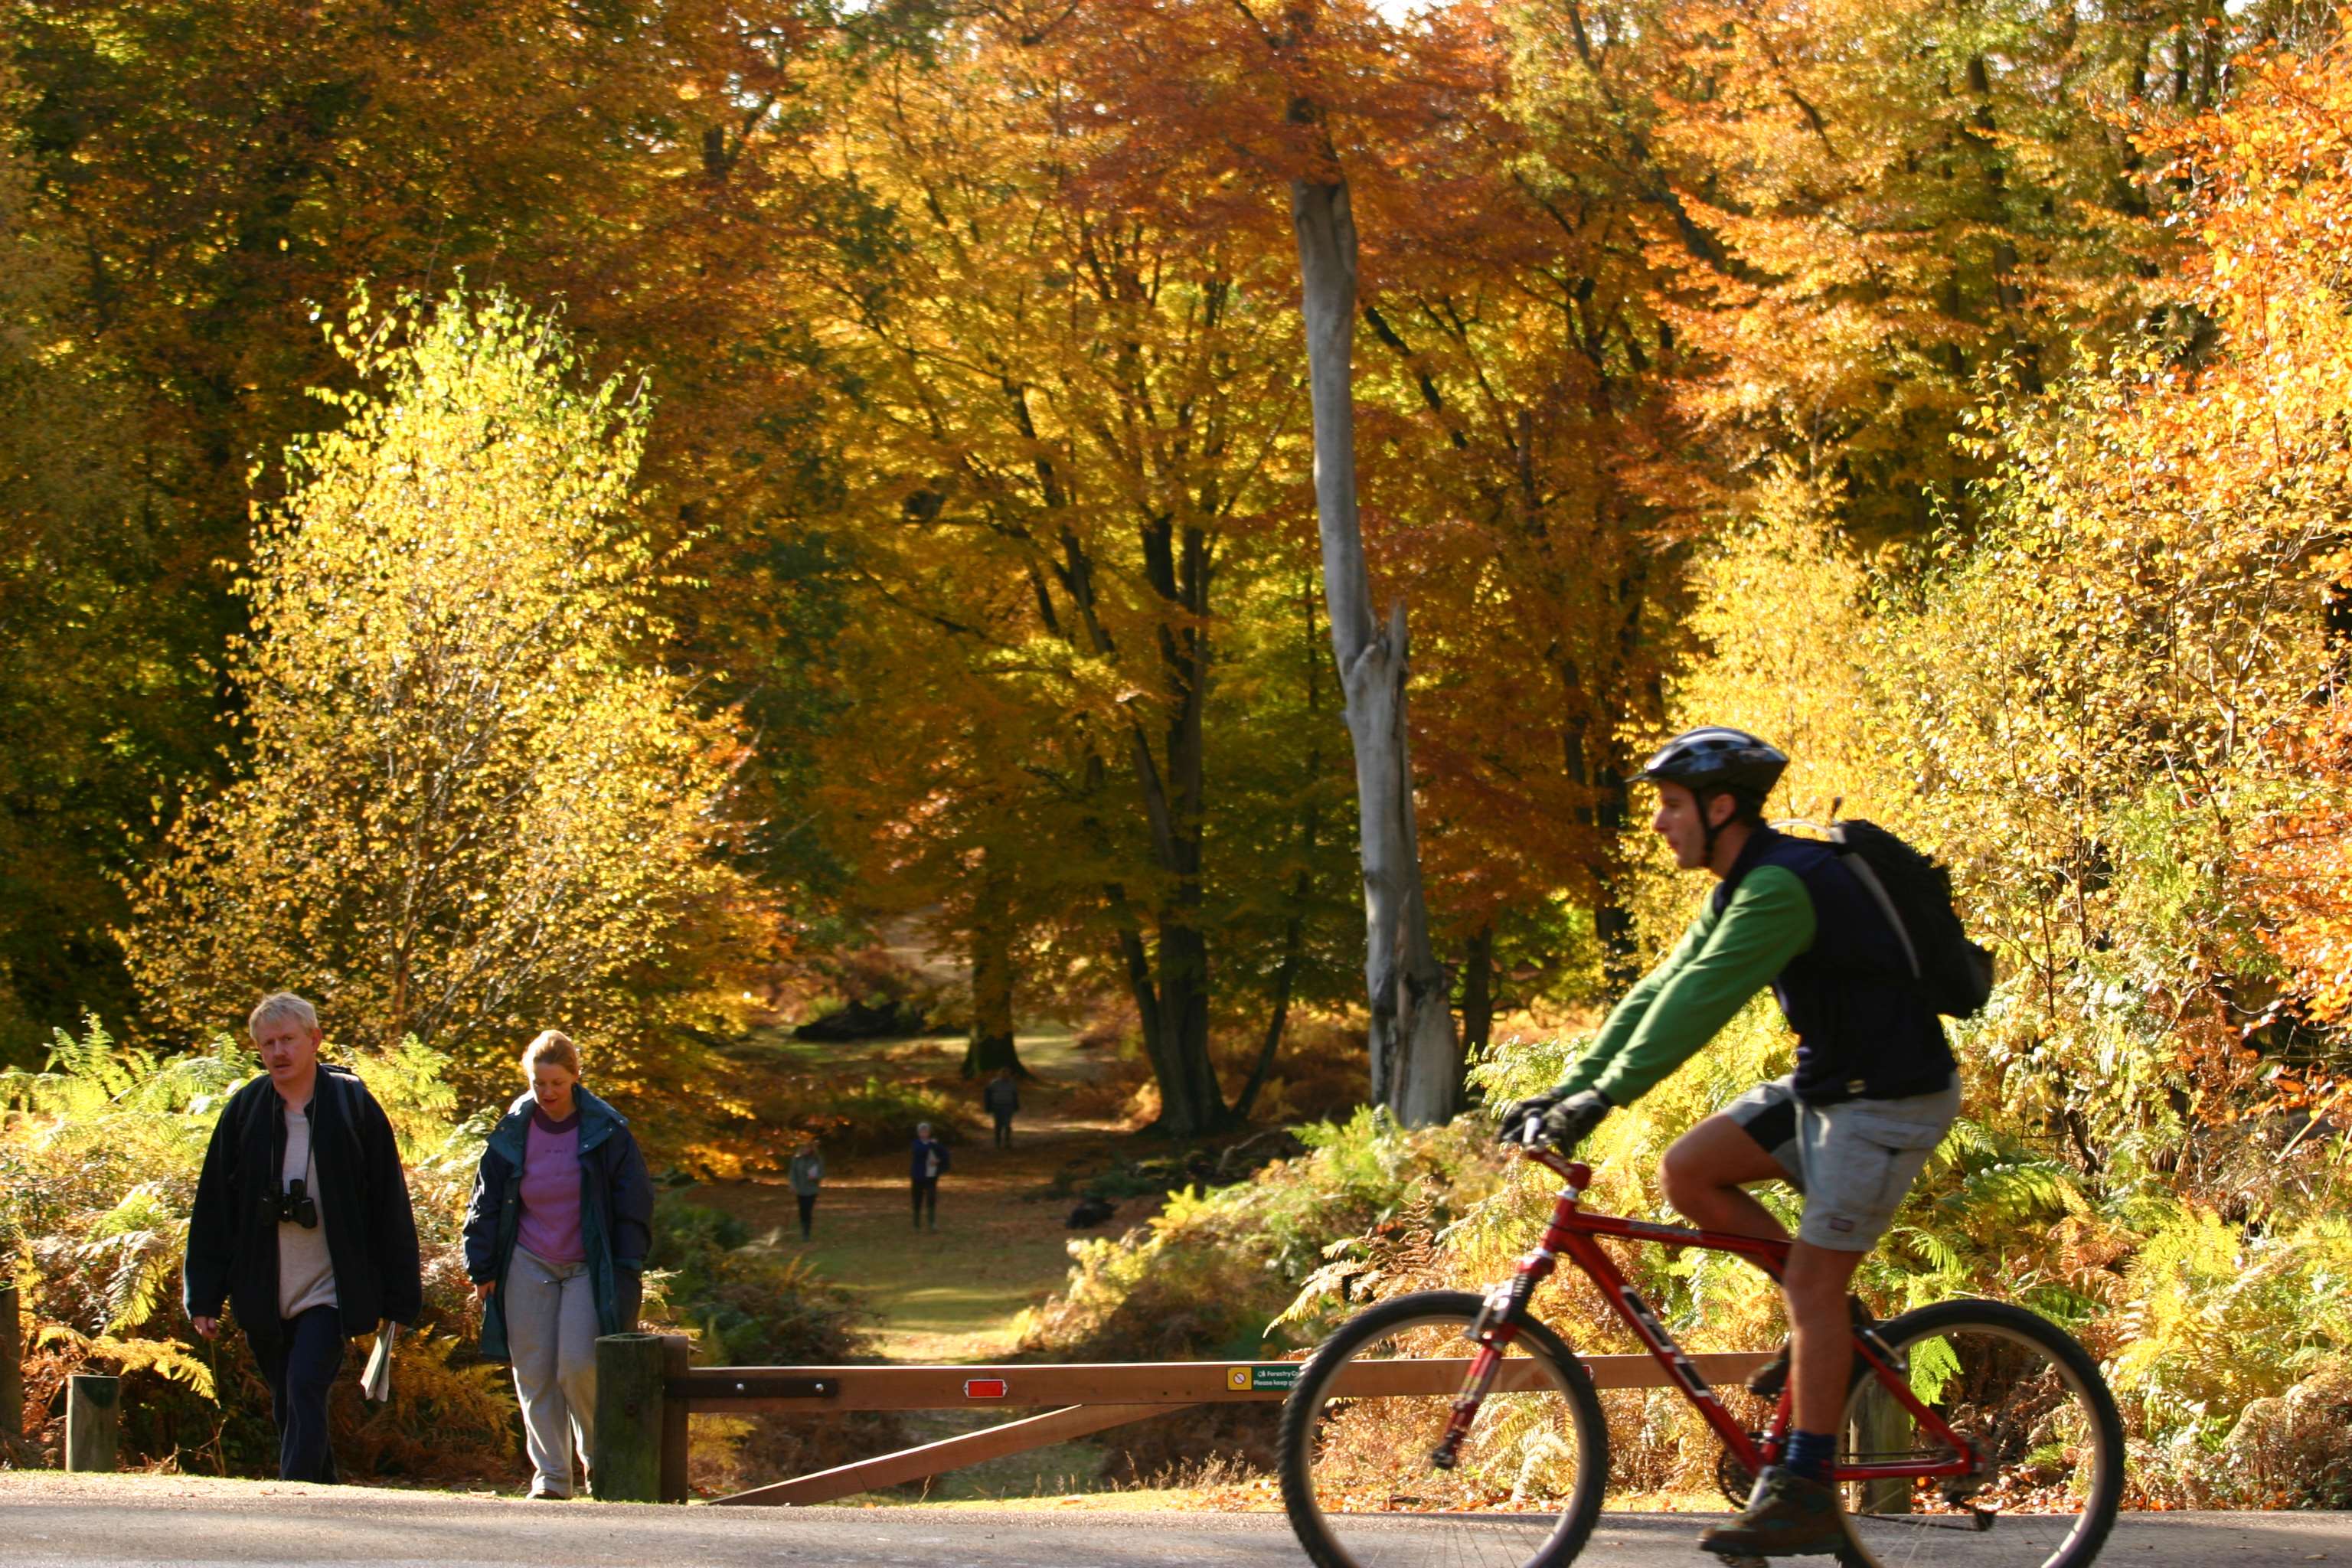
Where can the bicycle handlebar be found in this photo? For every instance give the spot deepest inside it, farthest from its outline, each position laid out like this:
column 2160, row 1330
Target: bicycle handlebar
column 1576, row 1172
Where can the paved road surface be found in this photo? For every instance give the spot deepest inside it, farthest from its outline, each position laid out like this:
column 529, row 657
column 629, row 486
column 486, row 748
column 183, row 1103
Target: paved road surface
column 50, row 1519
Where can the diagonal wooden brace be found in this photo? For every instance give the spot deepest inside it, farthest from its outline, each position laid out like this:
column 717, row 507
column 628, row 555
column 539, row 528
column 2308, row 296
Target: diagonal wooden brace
column 951, row 1453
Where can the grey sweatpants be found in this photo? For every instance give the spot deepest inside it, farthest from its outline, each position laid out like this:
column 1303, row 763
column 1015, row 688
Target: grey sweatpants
column 550, row 1314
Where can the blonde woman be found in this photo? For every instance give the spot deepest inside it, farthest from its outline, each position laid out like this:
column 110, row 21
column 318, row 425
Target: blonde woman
column 555, row 1242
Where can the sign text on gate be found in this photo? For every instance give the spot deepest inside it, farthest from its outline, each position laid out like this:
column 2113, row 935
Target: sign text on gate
column 1265, row 1377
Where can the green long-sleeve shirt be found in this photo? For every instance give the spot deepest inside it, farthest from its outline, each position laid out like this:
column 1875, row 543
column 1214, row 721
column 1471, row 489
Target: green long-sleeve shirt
column 1722, row 960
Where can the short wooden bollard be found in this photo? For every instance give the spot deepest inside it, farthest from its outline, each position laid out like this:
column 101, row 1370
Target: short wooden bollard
column 94, row 1420
column 627, row 1450
column 677, row 1358
column 12, row 1367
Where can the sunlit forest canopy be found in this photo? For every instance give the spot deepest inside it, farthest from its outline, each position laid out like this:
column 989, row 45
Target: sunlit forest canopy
column 575, row 514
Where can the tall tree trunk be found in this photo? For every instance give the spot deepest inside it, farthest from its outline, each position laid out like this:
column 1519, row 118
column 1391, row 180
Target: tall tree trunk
column 1190, row 1103
column 1176, row 564
column 1285, row 977
column 1478, row 992
column 1612, row 916
column 1416, row 1063
column 1310, row 824
column 992, row 1046
column 1169, row 976
column 1173, row 1006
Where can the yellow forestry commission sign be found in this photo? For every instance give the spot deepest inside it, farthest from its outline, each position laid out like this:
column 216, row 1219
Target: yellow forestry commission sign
column 1265, row 1377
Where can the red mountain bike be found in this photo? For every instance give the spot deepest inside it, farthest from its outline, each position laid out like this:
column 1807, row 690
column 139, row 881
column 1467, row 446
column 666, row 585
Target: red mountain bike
column 1977, row 1434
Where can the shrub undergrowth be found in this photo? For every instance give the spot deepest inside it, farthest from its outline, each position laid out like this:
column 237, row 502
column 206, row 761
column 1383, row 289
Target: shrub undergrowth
column 2229, row 1347
column 98, row 1159
column 749, row 1304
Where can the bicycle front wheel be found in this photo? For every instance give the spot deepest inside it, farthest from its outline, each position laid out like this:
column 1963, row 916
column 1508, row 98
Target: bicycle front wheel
column 2029, row 1402
column 1359, row 1433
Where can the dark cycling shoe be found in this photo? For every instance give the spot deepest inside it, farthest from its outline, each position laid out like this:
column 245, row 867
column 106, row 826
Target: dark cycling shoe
column 1767, row 1381
column 1786, row 1516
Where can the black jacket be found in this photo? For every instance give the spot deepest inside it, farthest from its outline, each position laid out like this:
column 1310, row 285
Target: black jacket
column 1864, row 1026
column 370, row 1229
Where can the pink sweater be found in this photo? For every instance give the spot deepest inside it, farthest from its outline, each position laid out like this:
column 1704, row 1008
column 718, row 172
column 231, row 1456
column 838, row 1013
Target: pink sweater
column 550, row 1229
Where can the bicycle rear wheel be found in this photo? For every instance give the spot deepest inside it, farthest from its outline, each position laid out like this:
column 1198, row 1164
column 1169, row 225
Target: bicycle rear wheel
column 1357, row 1475
column 2032, row 1404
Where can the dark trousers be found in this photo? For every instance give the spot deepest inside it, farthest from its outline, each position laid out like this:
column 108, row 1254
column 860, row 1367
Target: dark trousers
column 301, row 1371
column 1003, row 1127
column 808, row 1208
column 926, row 1191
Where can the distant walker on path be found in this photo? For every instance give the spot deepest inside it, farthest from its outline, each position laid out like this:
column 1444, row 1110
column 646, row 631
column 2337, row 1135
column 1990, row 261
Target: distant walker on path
column 927, row 1162
column 1003, row 1098
column 302, row 1224
column 556, row 1238
column 807, row 1173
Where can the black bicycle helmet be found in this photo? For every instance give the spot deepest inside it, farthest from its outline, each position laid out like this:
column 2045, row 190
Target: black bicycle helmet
column 1712, row 758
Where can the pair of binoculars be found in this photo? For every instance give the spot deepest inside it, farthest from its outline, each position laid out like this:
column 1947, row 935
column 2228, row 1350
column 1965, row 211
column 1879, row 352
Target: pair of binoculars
column 296, row 1206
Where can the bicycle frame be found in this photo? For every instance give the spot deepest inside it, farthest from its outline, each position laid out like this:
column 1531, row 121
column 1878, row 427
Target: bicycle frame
column 1574, row 1234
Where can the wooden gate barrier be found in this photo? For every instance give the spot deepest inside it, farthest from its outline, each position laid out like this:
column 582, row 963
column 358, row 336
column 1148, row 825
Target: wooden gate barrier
column 1082, row 1399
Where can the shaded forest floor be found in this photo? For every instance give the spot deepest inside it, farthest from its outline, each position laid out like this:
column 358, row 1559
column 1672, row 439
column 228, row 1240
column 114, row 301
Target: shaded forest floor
column 1002, row 1245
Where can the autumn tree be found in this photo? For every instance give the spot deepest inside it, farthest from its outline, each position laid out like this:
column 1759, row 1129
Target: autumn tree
column 477, row 804
column 1253, row 102
column 1861, row 212
column 940, row 819
column 2254, row 421
column 101, row 709
column 1518, row 402
column 1073, row 461
column 197, row 174
column 2112, row 706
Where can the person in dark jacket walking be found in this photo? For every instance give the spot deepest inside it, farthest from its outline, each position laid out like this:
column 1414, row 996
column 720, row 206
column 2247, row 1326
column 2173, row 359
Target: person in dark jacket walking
column 807, row 1174
column 1003, row 1098
column 927, row 1162
column 302, row 1226
column 556, row 1238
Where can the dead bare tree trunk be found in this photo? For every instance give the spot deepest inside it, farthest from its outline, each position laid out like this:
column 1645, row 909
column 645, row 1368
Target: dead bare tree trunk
column 1416, row 1062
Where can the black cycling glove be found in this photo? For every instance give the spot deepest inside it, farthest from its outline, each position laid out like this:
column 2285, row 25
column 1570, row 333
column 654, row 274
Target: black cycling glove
column 1512, row 1127
column 1565, row 1120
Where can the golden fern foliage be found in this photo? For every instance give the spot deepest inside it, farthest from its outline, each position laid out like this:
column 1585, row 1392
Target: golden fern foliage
column 2218, row 1319
column 449, row 1412
column 167, row 1359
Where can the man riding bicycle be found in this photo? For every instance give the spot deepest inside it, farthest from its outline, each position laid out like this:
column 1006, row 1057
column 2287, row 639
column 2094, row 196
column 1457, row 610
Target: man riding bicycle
column 1874, row 1089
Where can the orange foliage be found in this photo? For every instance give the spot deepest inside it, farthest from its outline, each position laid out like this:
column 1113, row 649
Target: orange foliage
column 2259, row 434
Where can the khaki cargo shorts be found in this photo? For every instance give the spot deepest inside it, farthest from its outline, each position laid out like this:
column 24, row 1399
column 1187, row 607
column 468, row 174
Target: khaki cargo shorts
column 1853, row 1161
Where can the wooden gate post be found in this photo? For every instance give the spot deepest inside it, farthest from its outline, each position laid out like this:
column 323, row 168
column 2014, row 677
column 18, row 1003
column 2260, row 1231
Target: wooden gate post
column 1882, row 1428
column 627, row 1450
column 94, row 1420
column 12, row 1367
column 677, row 1360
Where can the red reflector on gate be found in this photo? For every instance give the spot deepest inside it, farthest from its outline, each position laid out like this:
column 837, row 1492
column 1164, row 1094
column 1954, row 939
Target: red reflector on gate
column 985, row 1388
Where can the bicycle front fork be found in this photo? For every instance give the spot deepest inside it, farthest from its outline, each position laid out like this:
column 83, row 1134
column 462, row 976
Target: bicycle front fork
column 1492, row 1332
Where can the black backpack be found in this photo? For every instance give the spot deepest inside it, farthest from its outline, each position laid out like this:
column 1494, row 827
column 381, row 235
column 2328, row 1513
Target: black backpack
column 1916, row 894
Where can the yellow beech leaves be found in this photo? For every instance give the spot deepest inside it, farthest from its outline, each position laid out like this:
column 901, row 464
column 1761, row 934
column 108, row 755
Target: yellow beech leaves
column 474, row 805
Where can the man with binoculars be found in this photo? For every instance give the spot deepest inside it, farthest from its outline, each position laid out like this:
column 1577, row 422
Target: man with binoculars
column 302, row 1225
